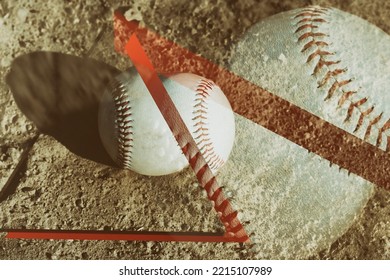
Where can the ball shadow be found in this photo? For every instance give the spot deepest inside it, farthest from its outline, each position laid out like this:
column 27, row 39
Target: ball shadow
column 60, row 94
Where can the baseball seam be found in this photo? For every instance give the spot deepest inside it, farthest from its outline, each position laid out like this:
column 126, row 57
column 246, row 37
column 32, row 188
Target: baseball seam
column 228, row 216
column 123, row 124
column 124, row 128
column 203, row 139
column 308, row 25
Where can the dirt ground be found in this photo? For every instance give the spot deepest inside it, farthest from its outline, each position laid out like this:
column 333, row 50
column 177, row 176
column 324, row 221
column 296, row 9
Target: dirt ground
column 61, row 188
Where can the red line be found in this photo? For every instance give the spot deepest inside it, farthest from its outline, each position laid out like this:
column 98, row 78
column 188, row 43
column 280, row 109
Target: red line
column 69, row 235
column 228, row 215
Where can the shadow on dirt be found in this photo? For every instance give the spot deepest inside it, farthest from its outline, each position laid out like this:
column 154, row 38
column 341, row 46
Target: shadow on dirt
column 60, row 94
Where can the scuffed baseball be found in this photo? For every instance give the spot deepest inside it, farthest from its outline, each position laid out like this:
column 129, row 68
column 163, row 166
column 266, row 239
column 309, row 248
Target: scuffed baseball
column 336, row 66
column 137, row 137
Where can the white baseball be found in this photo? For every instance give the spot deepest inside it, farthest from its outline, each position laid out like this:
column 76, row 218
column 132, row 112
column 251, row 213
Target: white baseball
column 336, row 66
column 136, row 136
column 328, row 62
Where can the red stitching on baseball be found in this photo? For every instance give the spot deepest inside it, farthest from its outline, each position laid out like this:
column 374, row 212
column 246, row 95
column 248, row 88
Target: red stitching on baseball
column 336, row 85
column 305, row 26
column 221, row 204
column 313, row 43
column 372, row 122
column 123, row 124
column 330, row 75
column 215, row 161
column 209, row 185
column 323, row 63
column 227, row 215
column 232, row 215
column 221, row 207
column 361, row 118
column 309, row 14
column 315, row 9
column 353, row 106
column 382, row 130
column 203, row 140
column 346, row 96
column 319, row 53
column 215, row 195
column 311, row 18
column 312, row 35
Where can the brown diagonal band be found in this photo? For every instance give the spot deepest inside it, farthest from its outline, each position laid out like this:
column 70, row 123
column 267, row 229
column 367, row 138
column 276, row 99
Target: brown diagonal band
column 272, row 112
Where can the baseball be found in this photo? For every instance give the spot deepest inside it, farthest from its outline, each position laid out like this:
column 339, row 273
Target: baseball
column 136, row 136
column 328, row 62
column 336, row 66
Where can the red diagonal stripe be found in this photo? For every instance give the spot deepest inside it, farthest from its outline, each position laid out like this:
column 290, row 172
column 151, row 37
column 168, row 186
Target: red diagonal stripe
column 183, row 137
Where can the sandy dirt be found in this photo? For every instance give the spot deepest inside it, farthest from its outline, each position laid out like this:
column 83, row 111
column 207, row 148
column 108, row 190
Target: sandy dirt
column 66, row 185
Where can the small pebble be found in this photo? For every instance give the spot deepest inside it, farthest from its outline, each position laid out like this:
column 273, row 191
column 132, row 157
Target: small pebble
column 14, row 118
column 22, row 14
column 5, row 61
column 29, row 127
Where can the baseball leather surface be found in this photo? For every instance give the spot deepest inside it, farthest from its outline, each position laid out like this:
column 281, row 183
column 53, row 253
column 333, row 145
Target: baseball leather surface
column 334, row 65
column 137, row 137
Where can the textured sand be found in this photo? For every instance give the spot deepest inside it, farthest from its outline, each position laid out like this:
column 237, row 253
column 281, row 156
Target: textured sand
column 61, row 189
